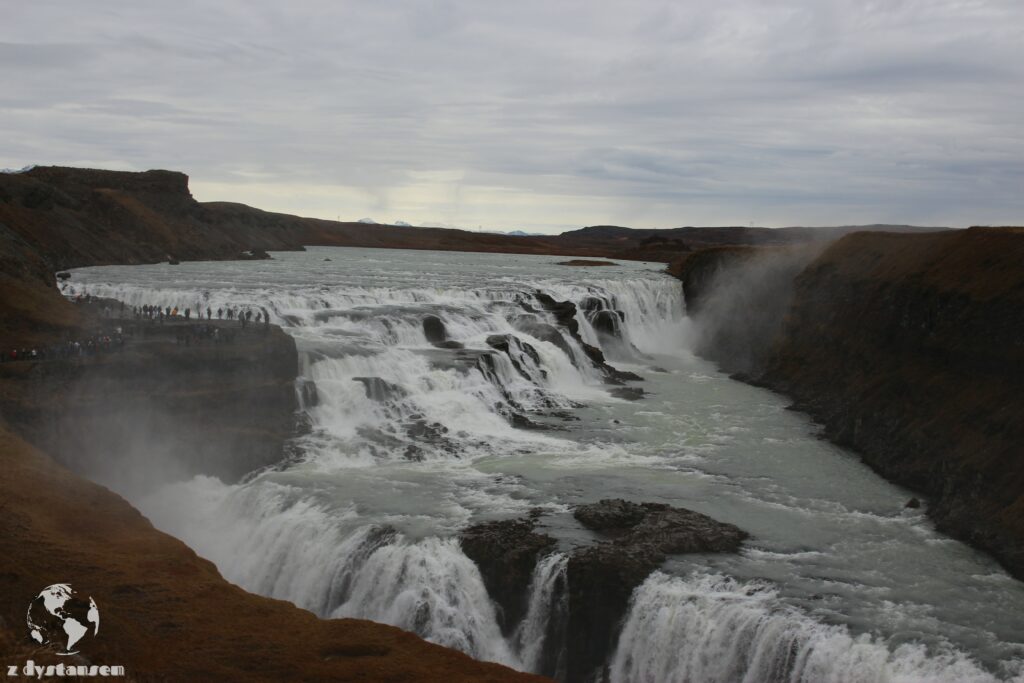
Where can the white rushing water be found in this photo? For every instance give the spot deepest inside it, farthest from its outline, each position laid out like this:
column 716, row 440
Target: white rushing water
column 408, row 443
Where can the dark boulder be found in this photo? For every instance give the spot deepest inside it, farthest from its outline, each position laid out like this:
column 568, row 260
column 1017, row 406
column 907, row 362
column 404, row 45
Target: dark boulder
column 913, row 504
column 499, row 342
column 433, row 329
column 627, row 393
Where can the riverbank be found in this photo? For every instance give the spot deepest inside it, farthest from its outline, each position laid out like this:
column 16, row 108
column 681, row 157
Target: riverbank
column 906, row 348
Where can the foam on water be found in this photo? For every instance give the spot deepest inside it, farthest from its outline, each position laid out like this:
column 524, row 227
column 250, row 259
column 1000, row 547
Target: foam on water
column 407, row 443
column 715, row 629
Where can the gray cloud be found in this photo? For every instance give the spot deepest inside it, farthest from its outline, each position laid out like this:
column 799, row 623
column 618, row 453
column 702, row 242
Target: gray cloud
column 538, row 115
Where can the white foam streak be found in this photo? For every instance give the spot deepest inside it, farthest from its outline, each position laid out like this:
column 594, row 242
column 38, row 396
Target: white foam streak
column 548, row 596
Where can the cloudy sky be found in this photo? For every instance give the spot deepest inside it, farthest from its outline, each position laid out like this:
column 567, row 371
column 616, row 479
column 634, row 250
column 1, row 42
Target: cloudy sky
column 538, row 115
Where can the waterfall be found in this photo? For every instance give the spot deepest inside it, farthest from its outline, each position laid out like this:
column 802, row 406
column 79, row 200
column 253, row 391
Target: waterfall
column 715, row 629
column 379, row 391
column 538, row 638
column 417, row 384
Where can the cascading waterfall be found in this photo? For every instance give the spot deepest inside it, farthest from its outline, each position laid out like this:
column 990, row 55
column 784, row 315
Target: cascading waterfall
column 403, row 436
column 715, row 629
column 374, row 391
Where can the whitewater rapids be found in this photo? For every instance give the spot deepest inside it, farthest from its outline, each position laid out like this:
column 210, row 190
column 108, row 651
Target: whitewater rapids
column 407, row 442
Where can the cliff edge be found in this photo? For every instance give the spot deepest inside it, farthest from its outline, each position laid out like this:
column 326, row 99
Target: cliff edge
column 909, row 349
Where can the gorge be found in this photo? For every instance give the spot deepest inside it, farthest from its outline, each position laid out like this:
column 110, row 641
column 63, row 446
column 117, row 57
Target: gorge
column 460, row 411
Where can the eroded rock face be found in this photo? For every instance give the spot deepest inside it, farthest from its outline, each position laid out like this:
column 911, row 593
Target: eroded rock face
column 565, row 315
column 157, row 408
column 905, row 347
column 506, row 552
column 600, row 578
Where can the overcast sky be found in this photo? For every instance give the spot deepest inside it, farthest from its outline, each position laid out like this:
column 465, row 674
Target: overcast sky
column 537, row 115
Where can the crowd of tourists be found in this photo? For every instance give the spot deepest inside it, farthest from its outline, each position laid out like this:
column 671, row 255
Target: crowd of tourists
column 114, row 339
column 93, row 345
column 243, row 315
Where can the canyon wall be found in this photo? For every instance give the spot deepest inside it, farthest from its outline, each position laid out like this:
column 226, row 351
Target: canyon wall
column 909, row 349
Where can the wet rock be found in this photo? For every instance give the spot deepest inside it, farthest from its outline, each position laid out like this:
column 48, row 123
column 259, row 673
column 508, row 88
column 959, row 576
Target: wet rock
column 544, row 332
column 663, row 528
column 450, row 344
column 499, row 342
column 506, row 342
column 602, row 577
column 601, row 581
column 627, row 393
column 520, row 421
column 378, row 389
column 426, row 431
column 913, row 504
column 591, row 304
column 433, row 329
column 506, row 552
column 607, row 323
column 626, row 376
column 610, row 514
column 307, row 392
column 564, row 311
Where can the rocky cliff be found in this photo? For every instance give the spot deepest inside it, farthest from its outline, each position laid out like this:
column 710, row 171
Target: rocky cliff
column 221, row 408
column 909, row 349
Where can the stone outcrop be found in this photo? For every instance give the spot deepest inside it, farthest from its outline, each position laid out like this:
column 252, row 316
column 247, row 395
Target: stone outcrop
column 565, row 315
column 602, row 577
column 634, row 539
column 221, row 409
column 506, row 552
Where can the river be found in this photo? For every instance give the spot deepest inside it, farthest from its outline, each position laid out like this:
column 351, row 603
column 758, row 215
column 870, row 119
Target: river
column 838, row 582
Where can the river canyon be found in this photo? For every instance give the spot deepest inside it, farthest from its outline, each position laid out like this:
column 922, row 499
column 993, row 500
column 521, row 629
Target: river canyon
column 441, row 391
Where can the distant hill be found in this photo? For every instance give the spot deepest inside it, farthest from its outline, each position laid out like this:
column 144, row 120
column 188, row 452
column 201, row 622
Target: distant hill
column 53, row 217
